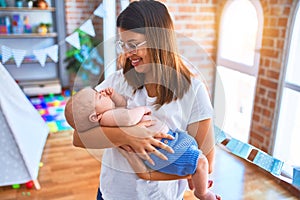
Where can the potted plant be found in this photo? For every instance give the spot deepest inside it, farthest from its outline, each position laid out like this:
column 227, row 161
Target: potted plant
column 84, row 64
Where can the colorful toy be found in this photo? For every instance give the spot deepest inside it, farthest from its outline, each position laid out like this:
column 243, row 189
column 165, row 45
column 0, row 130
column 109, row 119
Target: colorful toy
column 29, row 184
column 26, row 193
column 15, row 186
column 3, row 3
column 51, row 108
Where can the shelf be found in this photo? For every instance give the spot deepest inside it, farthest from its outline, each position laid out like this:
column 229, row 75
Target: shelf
column 26, row 9
column 40, row 87
column 28, row 35
column 31, row 68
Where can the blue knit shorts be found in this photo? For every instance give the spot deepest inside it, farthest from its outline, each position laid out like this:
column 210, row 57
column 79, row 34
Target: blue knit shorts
column 185, row 159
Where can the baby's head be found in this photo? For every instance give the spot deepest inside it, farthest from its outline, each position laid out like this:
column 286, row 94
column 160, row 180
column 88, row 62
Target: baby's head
column 84, row 110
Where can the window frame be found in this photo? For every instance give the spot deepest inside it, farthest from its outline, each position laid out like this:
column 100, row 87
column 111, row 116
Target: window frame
column 250, row 70
column 283, row 83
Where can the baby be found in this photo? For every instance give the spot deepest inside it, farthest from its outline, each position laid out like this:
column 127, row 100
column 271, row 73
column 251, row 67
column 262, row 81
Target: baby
column 89, row 108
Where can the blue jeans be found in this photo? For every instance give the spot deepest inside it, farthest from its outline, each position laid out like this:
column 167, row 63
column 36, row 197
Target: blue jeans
column 99, row 195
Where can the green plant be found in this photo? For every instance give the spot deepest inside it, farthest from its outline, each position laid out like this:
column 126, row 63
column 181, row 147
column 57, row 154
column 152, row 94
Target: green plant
column 86, row 61
column 48, row 25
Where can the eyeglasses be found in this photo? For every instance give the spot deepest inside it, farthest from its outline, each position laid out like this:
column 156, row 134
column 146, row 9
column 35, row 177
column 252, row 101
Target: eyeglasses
column 123, row 47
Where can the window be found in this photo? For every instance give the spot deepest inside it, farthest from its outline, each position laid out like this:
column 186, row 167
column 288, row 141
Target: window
column 286, row 145
column 237, row 63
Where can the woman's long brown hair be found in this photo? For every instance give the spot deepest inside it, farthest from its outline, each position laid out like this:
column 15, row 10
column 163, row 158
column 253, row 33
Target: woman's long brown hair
column 172, row 76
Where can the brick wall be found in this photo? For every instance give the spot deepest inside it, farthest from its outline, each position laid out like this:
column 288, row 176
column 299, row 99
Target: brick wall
column 195, row 23
column 276, row 15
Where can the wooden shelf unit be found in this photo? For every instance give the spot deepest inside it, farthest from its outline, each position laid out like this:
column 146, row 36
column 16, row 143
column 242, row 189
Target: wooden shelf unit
column 26, row 9
column 28, row 35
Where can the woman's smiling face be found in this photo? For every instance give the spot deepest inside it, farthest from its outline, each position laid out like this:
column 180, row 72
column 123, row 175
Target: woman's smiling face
column 139, row 56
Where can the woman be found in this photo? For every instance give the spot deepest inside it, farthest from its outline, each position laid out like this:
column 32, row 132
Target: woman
column 153, row 75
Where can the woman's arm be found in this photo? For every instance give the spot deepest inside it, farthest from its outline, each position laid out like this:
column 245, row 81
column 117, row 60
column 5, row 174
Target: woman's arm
column 159, row 176
column 140, row 139
column 144, row 172
column 204, row 135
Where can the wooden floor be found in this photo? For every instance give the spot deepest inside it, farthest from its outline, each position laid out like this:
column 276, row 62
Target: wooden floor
column 70, row 173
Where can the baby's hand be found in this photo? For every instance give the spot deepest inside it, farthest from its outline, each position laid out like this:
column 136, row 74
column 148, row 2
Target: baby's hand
column 146, row 121
column 147, row 111
column 107, row 91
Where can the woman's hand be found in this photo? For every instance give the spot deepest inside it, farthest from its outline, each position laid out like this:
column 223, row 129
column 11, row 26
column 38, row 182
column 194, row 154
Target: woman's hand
column 136, row 163
column 143, row 142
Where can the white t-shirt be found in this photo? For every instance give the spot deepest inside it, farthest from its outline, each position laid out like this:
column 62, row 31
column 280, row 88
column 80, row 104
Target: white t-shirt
column 117, row 179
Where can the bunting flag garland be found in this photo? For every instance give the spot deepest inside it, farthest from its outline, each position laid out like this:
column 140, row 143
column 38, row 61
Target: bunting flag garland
column 73, row 40
column 100, row 12
column 249, row 153
column 6, row 54
column 41, row 56
column 52, row 52
column 88, row 28
column 18, row 56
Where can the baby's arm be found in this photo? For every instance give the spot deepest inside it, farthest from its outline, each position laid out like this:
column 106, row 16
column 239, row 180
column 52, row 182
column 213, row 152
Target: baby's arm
column 123, row 116
column 117, row 98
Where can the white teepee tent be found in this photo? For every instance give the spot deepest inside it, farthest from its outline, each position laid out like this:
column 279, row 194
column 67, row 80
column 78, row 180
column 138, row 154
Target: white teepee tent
column 23, row 134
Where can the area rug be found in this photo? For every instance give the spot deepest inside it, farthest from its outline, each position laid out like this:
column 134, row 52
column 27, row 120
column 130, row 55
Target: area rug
column 51, row 108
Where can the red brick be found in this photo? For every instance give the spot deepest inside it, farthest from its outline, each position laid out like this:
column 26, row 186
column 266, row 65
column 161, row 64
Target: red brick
column 282, row 22
column 207, row 9
column 272, row 105
column 268, row 124
column 267, row 62
column 273, row 74
column 273, row 2
column 264, row 101
column 268, row 42
column 204, row 18
column 272, row 94
column 280, row 44
column 287, row 11
column 266, row 113
column 201, row 1
column 187, row 9
column 262, row 91
column 271, row 32
column 269, row 53
column 277, row 11
column 257, row 137
column 255, row 118
column 261, row 71
column 177, row 1
column 276, row 64
column 268, row 83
